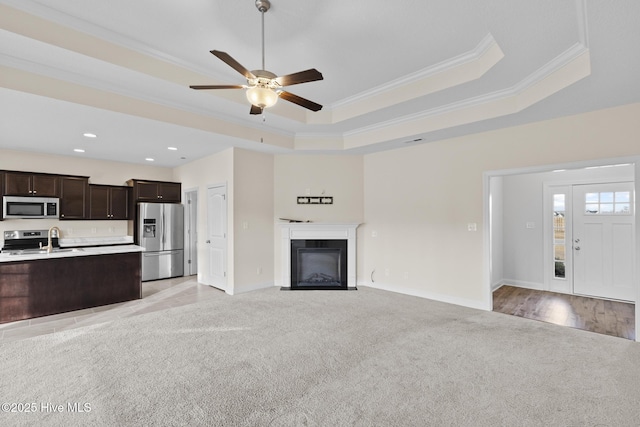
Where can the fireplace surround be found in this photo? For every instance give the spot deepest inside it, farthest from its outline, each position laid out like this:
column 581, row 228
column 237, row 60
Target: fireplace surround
column 329, row 252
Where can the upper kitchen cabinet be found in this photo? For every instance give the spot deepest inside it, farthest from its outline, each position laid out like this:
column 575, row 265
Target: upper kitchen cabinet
column 108, row 202
column 30, row 184
column 73, row 197
column 156, row 191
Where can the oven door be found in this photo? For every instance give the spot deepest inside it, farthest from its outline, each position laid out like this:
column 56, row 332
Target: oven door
column 29, row 207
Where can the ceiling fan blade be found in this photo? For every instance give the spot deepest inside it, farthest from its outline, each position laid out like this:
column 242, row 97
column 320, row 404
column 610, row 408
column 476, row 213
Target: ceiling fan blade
column 305, row 76
column 300, row 101
column 227, row 59
column 255, row 110
column 200, row 87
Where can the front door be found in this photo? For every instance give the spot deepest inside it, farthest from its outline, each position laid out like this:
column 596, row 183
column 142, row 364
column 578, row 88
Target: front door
column 216, row 241
column 603, row 240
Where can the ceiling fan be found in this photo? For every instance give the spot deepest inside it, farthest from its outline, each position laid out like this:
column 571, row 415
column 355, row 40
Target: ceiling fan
column 264, row 87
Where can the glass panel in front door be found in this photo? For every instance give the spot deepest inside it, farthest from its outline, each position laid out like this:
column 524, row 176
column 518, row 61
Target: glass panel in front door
column 559, row 235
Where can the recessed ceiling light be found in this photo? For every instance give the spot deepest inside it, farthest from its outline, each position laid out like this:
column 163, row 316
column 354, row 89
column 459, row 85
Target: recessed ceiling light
column 149, row 159
column 172, row 148
column 78, row 150
column 90, row 135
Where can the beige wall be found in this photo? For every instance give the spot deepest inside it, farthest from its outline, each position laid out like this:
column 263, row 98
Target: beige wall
column 419, row 200
column 253, row 220
column 200, row 174
column 98, row 171
column 341, row 177
column 338, row 176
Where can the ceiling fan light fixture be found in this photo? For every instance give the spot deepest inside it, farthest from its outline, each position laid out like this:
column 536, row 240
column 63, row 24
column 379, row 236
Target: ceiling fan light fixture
column 263, row 88
column 262, row 97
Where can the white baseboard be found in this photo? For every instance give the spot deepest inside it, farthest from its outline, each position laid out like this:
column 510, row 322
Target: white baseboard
column 479, row 305
column 523, row 284
column 248, row 288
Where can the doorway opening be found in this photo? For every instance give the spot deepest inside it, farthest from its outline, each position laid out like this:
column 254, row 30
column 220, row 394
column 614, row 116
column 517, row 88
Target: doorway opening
column 530, row 238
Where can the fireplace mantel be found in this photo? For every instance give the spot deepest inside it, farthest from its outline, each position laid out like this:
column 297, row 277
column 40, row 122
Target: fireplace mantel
column 319, row 231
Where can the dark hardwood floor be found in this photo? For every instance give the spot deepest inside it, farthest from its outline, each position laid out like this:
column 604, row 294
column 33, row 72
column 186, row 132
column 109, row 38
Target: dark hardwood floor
column 590, row 314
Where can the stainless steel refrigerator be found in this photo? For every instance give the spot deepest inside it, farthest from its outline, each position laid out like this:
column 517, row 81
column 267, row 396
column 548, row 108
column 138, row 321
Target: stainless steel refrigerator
column 160, row 231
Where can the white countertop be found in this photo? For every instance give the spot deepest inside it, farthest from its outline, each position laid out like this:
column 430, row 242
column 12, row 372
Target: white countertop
column 65, row 253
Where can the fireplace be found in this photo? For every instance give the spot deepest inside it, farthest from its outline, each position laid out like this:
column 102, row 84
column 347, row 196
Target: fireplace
column 319, row 255
column 319, row 264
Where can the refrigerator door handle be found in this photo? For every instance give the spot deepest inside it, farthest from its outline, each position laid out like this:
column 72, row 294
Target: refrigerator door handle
column 164, row 226
column 155, row 254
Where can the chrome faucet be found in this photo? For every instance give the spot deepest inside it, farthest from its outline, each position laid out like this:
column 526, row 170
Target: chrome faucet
column 49, row 246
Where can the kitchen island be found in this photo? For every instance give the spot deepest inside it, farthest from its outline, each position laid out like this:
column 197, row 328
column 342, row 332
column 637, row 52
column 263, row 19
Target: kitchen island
column 40, row 284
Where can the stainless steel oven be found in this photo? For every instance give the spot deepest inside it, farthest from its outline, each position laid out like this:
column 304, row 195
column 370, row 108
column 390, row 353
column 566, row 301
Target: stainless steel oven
column 30, row 207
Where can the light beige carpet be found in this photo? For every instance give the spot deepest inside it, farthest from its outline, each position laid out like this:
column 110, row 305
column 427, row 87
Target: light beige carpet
column 323, row 358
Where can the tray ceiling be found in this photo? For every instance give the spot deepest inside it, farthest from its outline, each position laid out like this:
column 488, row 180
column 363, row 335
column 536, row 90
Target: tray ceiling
column 394, row 72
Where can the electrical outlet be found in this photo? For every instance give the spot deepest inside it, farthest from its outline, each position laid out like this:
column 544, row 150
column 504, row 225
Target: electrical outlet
column 387, row 272
column 472, row 226
column 406, row 275
column 531, row 225
column 259, row 271
column 374, row 233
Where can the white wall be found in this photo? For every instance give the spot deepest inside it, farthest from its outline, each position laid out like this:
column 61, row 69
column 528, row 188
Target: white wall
column 98, row 171
column 419, row 200
column 523, row 203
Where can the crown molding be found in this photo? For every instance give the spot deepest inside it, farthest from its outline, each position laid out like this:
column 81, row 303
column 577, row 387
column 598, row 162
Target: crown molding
column 548, row 70
column 583, row 22
column 60, row 18
column 473, row 55
column 453, row 72
column 100, row 85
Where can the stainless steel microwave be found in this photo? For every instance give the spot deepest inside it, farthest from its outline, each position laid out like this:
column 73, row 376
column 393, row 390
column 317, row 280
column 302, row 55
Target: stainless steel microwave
column 30, row 207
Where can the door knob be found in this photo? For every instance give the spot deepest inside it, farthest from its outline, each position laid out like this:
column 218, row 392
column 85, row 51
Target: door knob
column 208, row 241
column 577, row 240
column 577, row 248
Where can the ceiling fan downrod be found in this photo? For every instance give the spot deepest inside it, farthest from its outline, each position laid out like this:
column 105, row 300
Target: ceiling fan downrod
column 263, row 6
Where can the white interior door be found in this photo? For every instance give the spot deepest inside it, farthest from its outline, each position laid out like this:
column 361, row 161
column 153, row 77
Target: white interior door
column 603, row 240
column 216, row 241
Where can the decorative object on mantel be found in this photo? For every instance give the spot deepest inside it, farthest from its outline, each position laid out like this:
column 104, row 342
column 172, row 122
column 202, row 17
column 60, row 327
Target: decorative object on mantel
column 312, row 200
column 293, row 220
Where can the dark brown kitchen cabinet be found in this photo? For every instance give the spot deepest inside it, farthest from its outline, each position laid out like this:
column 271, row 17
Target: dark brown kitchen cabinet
column 73, row 197
column 42, row 287
column 30, row 184
column 156, row 191
column 108, row 202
